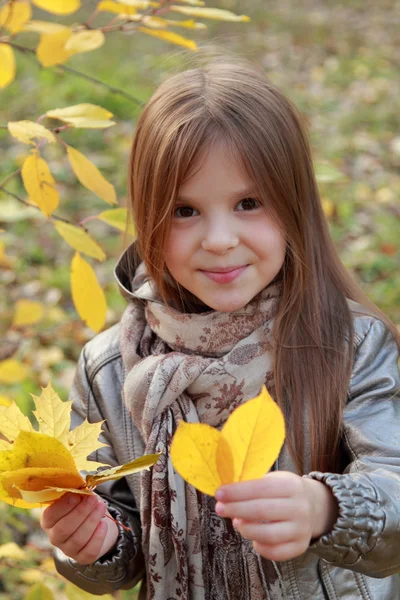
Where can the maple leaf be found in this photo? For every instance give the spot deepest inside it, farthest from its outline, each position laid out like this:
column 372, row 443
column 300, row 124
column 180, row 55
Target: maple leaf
column 37, row 467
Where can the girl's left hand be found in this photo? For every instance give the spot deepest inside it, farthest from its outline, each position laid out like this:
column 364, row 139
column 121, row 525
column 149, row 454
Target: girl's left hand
column 280, row 513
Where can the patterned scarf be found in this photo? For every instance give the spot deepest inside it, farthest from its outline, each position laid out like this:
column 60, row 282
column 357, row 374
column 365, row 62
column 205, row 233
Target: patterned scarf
column 195, row 367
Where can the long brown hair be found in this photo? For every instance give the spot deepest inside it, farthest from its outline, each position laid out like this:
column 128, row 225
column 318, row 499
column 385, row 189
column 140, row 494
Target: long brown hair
column 235, row 102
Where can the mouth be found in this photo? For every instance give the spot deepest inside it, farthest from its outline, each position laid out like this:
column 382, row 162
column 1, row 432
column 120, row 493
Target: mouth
column 225, row 274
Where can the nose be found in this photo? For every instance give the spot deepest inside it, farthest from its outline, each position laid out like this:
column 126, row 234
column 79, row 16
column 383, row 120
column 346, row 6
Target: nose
column 220, row 236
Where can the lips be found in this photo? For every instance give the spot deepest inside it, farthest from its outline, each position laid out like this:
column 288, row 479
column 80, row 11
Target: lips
column 224, row 275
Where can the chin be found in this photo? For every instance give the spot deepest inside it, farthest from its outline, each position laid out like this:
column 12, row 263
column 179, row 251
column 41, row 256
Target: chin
column 226, row 305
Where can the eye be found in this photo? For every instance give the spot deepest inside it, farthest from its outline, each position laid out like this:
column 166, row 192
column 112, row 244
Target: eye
column 183, row 212
column 248, row 204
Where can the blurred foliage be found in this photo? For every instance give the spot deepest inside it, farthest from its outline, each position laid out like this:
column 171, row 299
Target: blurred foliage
column 338, row 62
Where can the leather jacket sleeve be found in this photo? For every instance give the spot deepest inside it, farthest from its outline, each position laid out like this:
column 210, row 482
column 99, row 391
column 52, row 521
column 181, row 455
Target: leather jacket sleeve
column 366, row 536
column 123, row 566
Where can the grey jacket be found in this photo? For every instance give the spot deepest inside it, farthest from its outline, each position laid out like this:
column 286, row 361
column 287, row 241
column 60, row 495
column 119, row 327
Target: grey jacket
column 357, row 560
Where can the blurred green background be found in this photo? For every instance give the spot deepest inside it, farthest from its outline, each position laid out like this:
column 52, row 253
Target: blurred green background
column 337, row 61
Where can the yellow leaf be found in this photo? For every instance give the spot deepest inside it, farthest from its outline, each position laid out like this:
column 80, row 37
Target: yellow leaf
column 14, row 15
column 11, row 550
column 27, row 312
column 45, row 27
column 5, row 400
column 52, row 414
column 25, row 131
column 78, row 239
column 116, row 7
column 141, row 4
column 255, row 431
column 194, row 455
column 83, row 115
column 245, row 448
column 117, row 217
column 85, row 41
column 169, row 36
column 58, row 7
column 144, row 462
column 7, row 62
column 193, row 2
column 39, row 184
column 12, row 371
column 217, row 14
column 87, row 294
column 89, row 176
column 82, row 441
column 51, row 48
column 160, row 23
column 12, row 421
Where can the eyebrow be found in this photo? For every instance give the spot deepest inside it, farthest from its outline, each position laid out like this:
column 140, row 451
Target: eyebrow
column 238, row 195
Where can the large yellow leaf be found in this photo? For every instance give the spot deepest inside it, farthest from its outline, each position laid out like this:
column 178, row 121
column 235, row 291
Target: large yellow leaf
column 51, row 48
column 116, row 7
column 27, row 312
column 39, row 184
column 58, row 7
column 85, row 41
column 5, row 400
column 255, row 431
column 83, row 115
column 245, row 448
column 217, row 14
column 25, row 131
column 14, row 15
column 52, row 415
column 88, row 296
column 78, row 239
column 12, row 421
column 170, row 36
column 194, row 455
column 7, row 62
column 89, row 176
column 12, row 371
column 141, row 4
column 117, row 217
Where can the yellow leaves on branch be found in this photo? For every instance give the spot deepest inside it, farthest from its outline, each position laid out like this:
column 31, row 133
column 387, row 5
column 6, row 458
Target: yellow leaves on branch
column 117, row 8
column 78, row 239
column 217, row 14
column 88, row 296
column 118, row 218
column 13, row 16
column 58, row 7
column 89, row 176
column 51, row 48
column 40, row 184
column 26, row 131
column 37, row 467
column 170, row 36
column 7, row 62
column 83, row 115
column 245, row 448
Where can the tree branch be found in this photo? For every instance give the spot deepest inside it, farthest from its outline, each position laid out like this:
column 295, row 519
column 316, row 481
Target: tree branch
column 55, row 217
column 111, row 88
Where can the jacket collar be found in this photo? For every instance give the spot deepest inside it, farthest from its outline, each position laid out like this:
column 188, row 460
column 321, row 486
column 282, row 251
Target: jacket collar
column 129, row 267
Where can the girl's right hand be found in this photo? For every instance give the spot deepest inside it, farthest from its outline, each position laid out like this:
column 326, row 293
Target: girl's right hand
column 77, row 525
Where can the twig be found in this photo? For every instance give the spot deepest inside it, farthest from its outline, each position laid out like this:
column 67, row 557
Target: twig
column 53, row 216
column 111, row 88
column 14, row 174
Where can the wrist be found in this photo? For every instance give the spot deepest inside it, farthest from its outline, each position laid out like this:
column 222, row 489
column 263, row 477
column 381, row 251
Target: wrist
column 324, row 507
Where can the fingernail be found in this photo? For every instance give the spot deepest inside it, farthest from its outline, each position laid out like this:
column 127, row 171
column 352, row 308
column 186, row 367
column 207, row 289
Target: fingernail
column 220, row 509
column 219, row 494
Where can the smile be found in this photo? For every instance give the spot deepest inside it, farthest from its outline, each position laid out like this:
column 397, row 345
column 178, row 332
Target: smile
column 224, row 275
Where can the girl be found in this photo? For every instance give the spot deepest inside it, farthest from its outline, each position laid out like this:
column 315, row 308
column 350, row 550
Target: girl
column 233, row 282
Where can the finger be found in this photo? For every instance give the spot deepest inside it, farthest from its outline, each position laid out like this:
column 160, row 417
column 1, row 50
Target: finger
column 58, row 509
column 93, row 548
column 282, row 552
column 81, row 536
column 63, row 529
column 278, row 484
column 270, row 534
column 260, row 509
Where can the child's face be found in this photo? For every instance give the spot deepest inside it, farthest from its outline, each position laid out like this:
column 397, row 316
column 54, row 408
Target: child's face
column 223, row 246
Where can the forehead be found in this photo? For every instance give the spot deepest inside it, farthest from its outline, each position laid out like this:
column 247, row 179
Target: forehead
column 217, row 172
